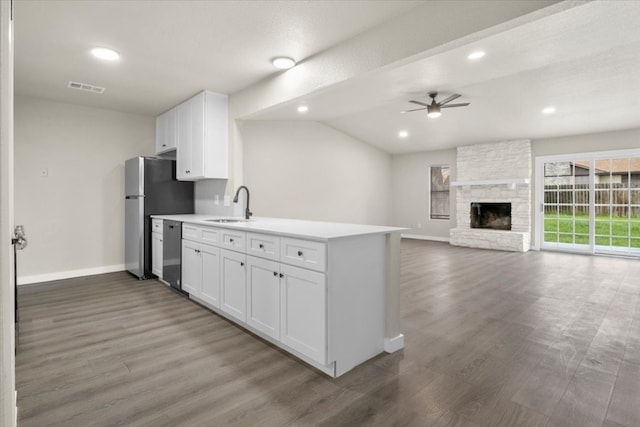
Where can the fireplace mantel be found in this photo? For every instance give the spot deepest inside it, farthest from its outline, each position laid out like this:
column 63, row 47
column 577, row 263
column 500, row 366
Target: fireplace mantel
column 480, row 182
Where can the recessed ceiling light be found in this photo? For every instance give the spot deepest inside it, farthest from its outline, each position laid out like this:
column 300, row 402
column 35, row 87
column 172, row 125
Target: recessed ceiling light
column 403, row 134
column 303, row 109
column 106, row 54
column 549, row 110
column 283, row 62
column 476, row 55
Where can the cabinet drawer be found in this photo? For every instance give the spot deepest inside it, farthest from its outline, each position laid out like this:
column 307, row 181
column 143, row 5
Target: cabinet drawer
column 211, row 236
column 234, row 240
column 263, row 246
column 303, row 253
column 156, row 225
column 191, row 232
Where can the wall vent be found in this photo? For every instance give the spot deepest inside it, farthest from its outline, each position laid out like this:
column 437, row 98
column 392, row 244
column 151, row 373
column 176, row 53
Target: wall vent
column 87, row 87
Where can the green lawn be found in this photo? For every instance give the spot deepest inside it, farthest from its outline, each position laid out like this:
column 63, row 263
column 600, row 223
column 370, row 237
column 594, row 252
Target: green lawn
column 614, row 231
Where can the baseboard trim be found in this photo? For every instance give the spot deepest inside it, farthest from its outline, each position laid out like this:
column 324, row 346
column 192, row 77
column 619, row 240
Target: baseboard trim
column 423, row 237
column 391, row 345
column 60, row 275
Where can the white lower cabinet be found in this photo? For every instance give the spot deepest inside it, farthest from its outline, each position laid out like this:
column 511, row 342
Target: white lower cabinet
column 191, row 267
column 263, row 296
column 210, row 257
column 156, row 254
column 233, row 296
column 303, row 318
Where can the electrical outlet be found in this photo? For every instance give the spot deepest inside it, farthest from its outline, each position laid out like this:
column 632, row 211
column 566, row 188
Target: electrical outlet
column 216, row 200
column 227, row 200
column 44, row 173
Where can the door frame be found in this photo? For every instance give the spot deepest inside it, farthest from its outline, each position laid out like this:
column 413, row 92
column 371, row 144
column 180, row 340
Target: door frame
column 539, row 189
column 8, row 410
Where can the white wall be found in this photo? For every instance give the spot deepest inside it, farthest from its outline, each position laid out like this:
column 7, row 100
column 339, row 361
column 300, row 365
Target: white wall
column 410, row 193
column 306, row 170
column 74, row 218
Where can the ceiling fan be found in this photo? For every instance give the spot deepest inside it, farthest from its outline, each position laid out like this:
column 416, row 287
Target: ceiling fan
column 433, row 109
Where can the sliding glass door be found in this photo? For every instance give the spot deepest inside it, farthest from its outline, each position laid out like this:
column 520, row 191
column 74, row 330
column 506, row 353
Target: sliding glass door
column 589, row 203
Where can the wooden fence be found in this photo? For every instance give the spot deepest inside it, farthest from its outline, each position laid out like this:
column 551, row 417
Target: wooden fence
column 610, row 199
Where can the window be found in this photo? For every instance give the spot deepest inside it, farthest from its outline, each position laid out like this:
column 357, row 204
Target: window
column 439, row 192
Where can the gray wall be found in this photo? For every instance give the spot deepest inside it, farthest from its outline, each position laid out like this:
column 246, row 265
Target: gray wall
column 410, row 176
column 410, row 193
column 74, row 218
column 306, row 170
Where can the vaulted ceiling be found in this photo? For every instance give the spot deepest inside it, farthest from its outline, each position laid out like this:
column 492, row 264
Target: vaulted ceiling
column 583, row 60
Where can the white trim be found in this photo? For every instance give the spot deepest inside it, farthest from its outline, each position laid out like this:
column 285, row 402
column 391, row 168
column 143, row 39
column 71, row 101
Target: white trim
column 505, row 181
column 59, row 275
column 391, row 345
column 423, row 237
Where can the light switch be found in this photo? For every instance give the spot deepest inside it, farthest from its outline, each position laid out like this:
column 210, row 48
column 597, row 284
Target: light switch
column 44, row 173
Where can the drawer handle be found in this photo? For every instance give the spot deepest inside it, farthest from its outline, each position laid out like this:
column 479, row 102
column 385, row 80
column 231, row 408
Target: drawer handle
column 171, row 226
column 299, row 253
column 275, row 273
column 261, row 246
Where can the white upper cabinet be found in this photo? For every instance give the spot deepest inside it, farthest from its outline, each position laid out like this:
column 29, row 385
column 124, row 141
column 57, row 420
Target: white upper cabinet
column 202, row 137
column 166, row 131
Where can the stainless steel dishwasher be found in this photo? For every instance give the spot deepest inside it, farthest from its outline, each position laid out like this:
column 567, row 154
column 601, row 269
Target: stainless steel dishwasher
column 171, row 254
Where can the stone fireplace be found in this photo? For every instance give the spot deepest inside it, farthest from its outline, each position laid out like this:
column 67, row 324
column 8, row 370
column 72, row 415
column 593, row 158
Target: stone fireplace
column 493, row 196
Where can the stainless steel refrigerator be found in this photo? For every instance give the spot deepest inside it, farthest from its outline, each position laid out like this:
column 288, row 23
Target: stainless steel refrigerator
column 151, row 188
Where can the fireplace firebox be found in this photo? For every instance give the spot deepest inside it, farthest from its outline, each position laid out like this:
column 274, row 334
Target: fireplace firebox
column 495, row 216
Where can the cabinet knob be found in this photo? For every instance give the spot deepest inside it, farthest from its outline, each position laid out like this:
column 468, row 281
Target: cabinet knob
column 281, row 275
column 160, row 240
column 164, row 145
column 275, row 273
column 241, row 264
column 299, row 253
column 230, row 240
column 261, row 246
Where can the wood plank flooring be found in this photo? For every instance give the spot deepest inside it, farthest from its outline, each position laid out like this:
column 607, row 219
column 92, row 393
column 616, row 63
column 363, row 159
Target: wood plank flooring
column 492, row 339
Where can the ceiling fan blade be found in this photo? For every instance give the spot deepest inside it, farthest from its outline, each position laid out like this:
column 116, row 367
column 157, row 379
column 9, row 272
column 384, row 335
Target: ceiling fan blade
column 417, row 109
column 449, row 99
column 455, row 105
column 419, row 103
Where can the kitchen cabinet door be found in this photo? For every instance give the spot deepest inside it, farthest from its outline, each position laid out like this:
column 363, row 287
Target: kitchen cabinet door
column 183, row 151
column 166, row 131
column 191, row 268
column 303, row 308
column 210, row 257
column 233, row 283
column 156, row 254
column 202, row 141
column 263, row 296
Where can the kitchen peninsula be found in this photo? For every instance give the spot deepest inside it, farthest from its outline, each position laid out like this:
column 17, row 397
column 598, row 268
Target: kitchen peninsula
column 327, row 293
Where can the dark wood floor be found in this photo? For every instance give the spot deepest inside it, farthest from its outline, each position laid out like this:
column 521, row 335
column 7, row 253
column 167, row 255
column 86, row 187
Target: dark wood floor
column 492, row 339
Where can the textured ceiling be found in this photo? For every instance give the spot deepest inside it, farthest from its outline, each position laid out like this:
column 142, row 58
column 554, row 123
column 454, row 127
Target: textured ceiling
column 585, row 61
column 173, row 49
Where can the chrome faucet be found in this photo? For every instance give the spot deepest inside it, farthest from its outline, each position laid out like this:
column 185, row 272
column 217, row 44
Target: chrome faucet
column 247, row 212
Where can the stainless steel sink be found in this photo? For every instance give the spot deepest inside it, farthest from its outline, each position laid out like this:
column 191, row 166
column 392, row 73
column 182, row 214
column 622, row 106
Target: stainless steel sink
column 226, row 220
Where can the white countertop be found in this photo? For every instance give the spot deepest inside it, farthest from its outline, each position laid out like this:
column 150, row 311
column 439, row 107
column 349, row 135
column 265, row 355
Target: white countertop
column 315, row 230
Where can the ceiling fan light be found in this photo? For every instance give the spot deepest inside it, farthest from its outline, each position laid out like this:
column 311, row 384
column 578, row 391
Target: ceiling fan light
column 434, row 114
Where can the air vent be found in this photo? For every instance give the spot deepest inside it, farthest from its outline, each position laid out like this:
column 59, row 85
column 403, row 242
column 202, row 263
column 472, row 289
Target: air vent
column 87, row 87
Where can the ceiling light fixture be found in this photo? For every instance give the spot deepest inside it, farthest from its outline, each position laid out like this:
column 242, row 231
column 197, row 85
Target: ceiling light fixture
column 549, row 110
column 283, row 62
column 303, row 109
column 106, row 54
column 476, row 55
column 403, row 134
column 433, row 111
